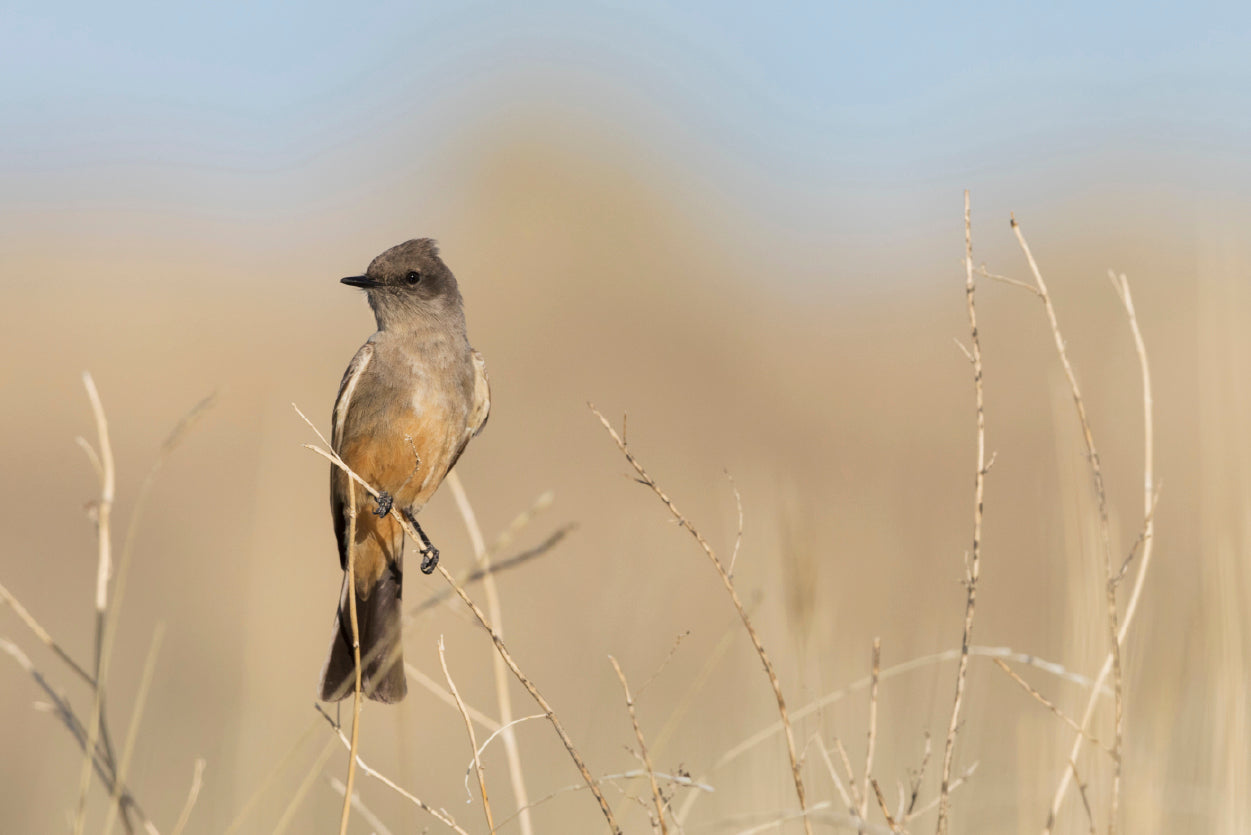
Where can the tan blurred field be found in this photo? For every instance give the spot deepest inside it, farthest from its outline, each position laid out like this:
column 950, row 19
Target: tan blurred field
column 837, row 402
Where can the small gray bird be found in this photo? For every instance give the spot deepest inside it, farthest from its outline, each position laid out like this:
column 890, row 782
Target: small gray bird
column 409, row 402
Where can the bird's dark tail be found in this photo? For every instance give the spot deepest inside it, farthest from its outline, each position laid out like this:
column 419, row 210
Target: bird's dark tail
column 382, row 663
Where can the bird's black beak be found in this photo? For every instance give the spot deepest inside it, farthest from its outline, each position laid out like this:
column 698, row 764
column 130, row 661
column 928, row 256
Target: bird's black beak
column 362, row 281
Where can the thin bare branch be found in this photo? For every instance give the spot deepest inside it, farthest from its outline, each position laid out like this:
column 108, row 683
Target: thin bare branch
column 868, row 757
column 503, row 697
column 473, row 738
column 104, row 568
column 346, row 812
column 979, row 492
column 439, row 814
column 881, row 802
column 197, row 781
column 1041, row 699
column 657, row 797
column 128, row 747
column 728, row 582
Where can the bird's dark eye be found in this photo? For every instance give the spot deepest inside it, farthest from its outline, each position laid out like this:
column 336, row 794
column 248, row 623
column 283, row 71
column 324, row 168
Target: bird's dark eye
column 412, row 277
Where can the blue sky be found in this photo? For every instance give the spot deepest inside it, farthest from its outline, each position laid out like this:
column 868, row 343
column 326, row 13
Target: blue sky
column 808, row 99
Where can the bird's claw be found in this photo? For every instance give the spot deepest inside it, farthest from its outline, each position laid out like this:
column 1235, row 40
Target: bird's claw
column 429, row 559
column 384, row 504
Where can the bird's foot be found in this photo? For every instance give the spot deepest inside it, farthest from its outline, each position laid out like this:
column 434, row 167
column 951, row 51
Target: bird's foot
column 429, row 559
column 429, row 554
column 384, row 504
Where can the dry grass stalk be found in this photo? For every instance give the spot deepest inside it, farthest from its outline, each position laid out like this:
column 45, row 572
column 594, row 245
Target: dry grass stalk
column 1117, row 630
column 356, row 650
column 673, row 779
column 103, row 463
column 894, row 825
column 591, row 782
column 439, row 814
column 42, row 634
column 834, row 778
column 657, row 797
column 899, row 669
column 502, row 696
column 1081, row 790
column 728, row 582
column 197, row 781
column 979, row 490
column 473, row 738
column 868, row 757
column 60, row 706
column 128, row 746
column 1041, row 699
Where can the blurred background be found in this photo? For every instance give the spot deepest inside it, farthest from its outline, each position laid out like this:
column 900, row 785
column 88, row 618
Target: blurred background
column 743, row 227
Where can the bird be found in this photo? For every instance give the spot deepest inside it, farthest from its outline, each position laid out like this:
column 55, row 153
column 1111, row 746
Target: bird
column 408, row 404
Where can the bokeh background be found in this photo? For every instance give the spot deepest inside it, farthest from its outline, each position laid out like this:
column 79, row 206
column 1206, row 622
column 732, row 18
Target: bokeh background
column 741, row 226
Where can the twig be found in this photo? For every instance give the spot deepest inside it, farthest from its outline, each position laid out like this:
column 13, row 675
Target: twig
column 591, row 782
column 1117, row 632
column 881, row 802
column 473, row 739
column 356, row 646
column 128, row 747
column 104, row 567
column 1015, row 282
column 738, row 535
column 979, row 492
column 764, row 734
column 738, row 605
column 495, row 733
column 502, row 696
column 1041, row 699
column 838, row 781
column 197, row 780
column 676, row 779
column 439, row 814
column 859, row 798
column 1081, row 790
column 677, row 642
column 657, row 797
column 42, row 634
column 868, row 757
column 62, row 709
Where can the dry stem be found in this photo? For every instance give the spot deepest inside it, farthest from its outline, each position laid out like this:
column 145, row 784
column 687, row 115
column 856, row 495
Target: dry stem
column 738, row 605
column 1041, row 699
column 1117, row 631
column 197, row 780
column 356, row 651
column 979, row 490
column 868, row 757
column 473, row 739
column 103, row 462
column 657, row 797
column 502, row 696
column 440, row 814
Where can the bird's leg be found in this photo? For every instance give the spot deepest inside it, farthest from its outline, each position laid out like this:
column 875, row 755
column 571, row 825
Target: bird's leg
column 429, row 554
column 384, row 504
